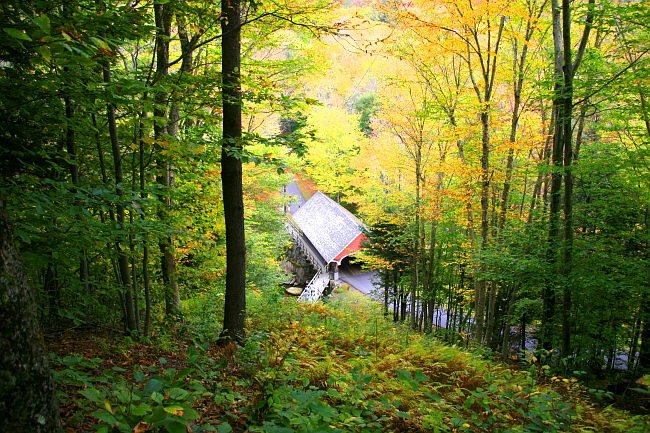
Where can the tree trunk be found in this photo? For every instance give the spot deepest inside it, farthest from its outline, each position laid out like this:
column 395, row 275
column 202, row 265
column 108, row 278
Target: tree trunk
column 163, row 16
column 505, row 345
column 488, row 63
column 480, row 285
column 644, row 349
column 27, row 402
column 386, row 275
column 231, row 174
column 565, row 68
column 491, row 313
column 145, row 242
column 415, row 271
column 71, row 147
column 120, row 213
column 567, row 118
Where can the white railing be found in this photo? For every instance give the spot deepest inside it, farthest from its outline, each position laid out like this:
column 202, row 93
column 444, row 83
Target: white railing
column 314, row 290
column 317, row 285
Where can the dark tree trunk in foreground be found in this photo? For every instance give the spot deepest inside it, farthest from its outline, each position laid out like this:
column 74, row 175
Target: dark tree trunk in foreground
column 26, row 390
column 231, row 174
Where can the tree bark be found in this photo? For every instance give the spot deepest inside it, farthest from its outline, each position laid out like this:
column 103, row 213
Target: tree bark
column 163, row 16
column 231, row 174
column 488, row 62
column 142, row 178
column 644, row 348
column 71, row 147
column 27, row 402
column 565, row 69
column 415, row 270
column 122, row 258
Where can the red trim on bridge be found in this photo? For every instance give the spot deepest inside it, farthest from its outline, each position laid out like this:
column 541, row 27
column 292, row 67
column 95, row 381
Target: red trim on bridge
column 352, row 247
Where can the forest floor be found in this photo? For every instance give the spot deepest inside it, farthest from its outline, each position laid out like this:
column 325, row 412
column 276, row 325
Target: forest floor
column 333, row 367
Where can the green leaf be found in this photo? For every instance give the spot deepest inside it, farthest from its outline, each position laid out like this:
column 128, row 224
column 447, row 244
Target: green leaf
column 333, row 393
column 140, row 410
column 43, row 22
column 224, row 427
column 152, row 385
column 45, row 53
column 185, row 372
column 421, row 377
column 641, row 390
column 91, row 394
column 157, row 415
column 457, row 422
column 15, row 33
column 402, row 415
column 403, row 375
column 178, row 393
column 99, row 43
column 104, row 416
column 157, row 397
column 190, row 414
column 176, row 427
column 24, row 236
column 123, row 396
column 138, row 375
column 174, row 409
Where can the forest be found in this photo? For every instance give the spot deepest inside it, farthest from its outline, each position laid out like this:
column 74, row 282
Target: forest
column 498, row 152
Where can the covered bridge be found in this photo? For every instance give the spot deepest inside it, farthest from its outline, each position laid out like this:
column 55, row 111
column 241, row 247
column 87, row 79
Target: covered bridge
column 333, row 232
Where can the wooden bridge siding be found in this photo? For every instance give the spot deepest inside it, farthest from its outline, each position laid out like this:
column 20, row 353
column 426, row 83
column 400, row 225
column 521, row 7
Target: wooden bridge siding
column 315, row 288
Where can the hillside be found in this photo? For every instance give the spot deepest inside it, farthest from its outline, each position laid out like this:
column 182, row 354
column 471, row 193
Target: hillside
column 325, row 367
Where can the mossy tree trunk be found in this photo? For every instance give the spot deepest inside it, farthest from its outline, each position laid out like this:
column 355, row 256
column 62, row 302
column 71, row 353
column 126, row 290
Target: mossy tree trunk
column 27, row 401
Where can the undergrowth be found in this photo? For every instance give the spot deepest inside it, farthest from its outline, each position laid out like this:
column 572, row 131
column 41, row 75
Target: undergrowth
column 325, row 367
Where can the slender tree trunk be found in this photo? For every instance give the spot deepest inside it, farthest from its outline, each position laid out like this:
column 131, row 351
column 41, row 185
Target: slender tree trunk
column 71, row 147
column 644, row 348
column 505, row 346
column 27, row 402
column 231, row 174
column 415, row 271
column 134, row 274
column 567, row 123
column 565, row 68
column 386, row 273
column 519, row 67
column 633, row 344
column 111, row 211
column 548, row 294
column 163, row 17
column 395, row 298
column 430, row 282
column 488, row 62
column 480, row 287
column 539, row 190
column 491, row 312
column 142, row 165
column 120, row 213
